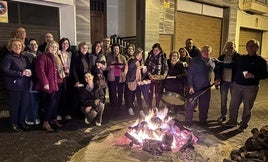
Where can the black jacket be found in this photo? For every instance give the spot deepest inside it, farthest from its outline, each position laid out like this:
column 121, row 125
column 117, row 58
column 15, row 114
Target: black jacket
column 12, row 67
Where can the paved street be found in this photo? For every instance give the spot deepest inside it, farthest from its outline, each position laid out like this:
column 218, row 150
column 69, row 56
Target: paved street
column 38, row 145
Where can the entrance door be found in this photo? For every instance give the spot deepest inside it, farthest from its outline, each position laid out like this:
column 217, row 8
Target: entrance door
column 97, row 20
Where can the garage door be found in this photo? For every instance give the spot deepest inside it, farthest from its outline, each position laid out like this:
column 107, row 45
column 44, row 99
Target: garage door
column 245, row 36
column 36, row 19
column 204, row 30
column 166, row 43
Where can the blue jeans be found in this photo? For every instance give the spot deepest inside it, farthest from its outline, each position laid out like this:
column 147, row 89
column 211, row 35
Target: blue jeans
column 32, row 113
column 247, row 95
column 224, row 89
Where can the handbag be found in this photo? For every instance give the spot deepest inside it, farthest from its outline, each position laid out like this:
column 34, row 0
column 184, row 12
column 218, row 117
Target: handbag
column 61, row 73
column 132, row 86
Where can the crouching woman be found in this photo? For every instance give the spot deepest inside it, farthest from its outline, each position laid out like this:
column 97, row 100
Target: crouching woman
column 92, row 100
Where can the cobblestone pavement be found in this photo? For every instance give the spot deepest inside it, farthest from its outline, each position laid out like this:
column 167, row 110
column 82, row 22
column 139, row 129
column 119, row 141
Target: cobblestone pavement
column 38, row 145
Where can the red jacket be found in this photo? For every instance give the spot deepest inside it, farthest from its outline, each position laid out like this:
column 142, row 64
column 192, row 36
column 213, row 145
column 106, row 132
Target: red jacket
column 46, row 72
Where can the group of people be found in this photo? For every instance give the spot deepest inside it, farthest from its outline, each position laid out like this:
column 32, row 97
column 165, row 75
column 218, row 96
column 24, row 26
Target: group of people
column 49, row 82
column 238, row 73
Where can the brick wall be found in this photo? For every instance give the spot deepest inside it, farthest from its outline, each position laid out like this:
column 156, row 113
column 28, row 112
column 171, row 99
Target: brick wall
column 159, row 20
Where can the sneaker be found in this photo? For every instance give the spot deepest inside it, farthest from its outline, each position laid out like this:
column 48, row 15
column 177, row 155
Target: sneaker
column 142, row 114
column 86, row 121
column 221, row 119
column 59, row 117
column 229, row 124
column 131, row 112
column 68, row 117
column 37, row 121
column 98, row 124
column 29, row 123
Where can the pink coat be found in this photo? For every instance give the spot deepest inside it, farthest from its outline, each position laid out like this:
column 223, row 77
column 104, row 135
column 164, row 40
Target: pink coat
column 46, row 72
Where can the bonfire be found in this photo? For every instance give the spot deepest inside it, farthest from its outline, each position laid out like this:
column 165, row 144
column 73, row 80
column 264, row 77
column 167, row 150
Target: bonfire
column 159, row 132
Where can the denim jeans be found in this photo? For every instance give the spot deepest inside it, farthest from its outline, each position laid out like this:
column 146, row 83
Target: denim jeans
column 247, row 95
column 224, row 89
column 32, row 113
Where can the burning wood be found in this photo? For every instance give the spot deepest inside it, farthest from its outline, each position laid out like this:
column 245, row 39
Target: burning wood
column 159, row 132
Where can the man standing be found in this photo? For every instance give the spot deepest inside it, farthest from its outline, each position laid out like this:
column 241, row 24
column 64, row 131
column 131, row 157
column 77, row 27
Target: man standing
column 191, row 48
column 21, row 34
column 106, row 49
column 48, row 37
column 199, row 76
column 226, row 75
column 250, row 69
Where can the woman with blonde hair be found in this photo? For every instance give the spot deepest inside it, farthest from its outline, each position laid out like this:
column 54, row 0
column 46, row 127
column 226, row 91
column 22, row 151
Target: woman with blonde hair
column 17, row 73
column 47, row 75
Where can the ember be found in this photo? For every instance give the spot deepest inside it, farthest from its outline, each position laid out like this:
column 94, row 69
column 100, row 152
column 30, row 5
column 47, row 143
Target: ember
column 158, row 132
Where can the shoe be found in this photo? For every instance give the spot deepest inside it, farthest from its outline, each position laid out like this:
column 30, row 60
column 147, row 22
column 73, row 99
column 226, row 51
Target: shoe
column 86, row 121
column 59, row 117
column 68, row 117
column 37, row 121
column 221, row 119
column 57, row 123
column 242, row 128
column 15, row 128
column 47, row 127
column 203, row 123
column 29, row 123
column 24, row 126
column 229, row 124
column 131, row 112
column 98, row 124
column 142, row 114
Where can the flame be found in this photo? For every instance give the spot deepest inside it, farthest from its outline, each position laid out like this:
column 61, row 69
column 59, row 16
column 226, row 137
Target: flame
column 158, row 125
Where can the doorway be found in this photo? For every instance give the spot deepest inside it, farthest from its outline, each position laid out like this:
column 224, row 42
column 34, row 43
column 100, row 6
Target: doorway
column 98, row 20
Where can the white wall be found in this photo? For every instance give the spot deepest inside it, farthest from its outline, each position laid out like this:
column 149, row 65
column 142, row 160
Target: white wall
column 121, row 17
column 199, row 8
column 68, row 23
column 112, row 17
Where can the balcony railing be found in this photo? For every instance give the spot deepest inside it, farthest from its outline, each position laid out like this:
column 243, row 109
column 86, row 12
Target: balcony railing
column 123, row 41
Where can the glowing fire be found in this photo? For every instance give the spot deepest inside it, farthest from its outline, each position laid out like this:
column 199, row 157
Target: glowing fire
column 158, row 126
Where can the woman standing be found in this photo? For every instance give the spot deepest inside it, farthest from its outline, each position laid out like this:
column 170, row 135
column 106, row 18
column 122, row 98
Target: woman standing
column 16, row 69
column 32, row 116
column 157, row 70
column 117, row 69
column 186, row 60
column 65, row 55
column 134, row 76
column 79, row 66
column 46, row 73
column 176, row 74
column 98, row 61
